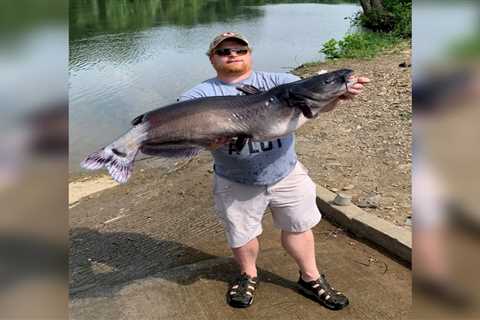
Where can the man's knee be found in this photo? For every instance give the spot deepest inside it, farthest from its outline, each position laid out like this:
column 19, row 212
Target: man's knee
column 295, row 233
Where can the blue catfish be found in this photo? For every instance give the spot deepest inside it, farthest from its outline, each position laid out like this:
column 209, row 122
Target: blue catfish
column 184, row 129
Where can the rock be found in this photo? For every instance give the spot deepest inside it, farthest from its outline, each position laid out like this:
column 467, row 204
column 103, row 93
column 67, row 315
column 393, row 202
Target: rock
column 348, row 187
column 210, row 170
column 342, row 199
column 372, row 200
column 334, row 189
column 408, row 221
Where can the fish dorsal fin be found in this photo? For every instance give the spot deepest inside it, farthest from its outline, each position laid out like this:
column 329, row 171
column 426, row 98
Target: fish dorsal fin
column 249, row 89
column 137, row 120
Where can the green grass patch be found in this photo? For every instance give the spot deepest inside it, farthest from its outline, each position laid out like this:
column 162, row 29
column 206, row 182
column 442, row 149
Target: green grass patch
column 360, row 45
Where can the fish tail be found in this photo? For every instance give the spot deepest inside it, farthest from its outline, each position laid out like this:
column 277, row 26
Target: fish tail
column 118, row 164
column 117, row 157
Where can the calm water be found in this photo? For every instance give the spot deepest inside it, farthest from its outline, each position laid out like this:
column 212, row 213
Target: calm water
column 128, row 57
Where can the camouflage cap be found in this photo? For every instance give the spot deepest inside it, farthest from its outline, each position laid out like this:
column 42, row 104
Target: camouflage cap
column 224, row 36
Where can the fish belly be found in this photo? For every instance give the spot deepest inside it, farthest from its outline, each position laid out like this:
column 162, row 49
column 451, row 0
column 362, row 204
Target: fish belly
column 280, row 127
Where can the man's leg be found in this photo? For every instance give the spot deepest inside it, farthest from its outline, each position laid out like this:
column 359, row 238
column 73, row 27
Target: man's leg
column 242, row 222
column 295, row 212
column 301, row 246
column 246, row 257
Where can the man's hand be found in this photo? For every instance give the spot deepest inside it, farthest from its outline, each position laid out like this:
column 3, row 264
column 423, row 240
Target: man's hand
column 356, row 88
column 218, row 143
column 352, row 90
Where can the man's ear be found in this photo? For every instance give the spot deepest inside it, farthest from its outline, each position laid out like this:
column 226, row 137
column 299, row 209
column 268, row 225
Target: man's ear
column 210, row 57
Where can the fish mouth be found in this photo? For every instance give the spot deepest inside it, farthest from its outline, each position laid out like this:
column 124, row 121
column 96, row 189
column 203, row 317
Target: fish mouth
column 347, row 78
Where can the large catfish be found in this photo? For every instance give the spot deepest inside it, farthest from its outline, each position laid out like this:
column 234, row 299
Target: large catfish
column 185, row 128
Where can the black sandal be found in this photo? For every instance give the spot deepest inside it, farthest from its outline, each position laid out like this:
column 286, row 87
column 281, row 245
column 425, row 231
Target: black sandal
column 321, row 291
column 241, row 291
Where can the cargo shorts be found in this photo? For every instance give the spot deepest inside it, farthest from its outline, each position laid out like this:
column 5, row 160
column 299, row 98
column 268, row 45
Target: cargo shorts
column 241, row 207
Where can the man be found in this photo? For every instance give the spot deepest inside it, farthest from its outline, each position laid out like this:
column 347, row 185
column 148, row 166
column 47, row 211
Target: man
column 262, row 174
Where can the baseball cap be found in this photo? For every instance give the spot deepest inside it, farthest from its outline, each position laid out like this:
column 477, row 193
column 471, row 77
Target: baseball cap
column 224, row 36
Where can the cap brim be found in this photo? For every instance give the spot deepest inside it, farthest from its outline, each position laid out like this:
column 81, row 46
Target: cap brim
column 227, row 38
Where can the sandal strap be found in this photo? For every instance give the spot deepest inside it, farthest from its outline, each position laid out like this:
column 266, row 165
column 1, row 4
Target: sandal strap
column 323, row 288
column 244, row 285
column 323, row 292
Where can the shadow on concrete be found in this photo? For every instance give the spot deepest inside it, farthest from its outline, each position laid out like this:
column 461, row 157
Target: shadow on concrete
column 101, row 264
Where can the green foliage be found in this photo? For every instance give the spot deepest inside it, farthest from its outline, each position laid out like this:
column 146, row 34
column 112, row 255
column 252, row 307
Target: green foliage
column 378, row 20
column 395, row 18
column 331, row 49
column 402, row 14
column 359, row 45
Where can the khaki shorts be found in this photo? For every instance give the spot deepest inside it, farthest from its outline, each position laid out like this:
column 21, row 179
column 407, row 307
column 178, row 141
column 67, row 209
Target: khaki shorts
column 241, row 207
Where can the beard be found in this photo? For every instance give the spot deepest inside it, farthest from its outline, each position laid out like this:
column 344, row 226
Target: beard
column 238, row 68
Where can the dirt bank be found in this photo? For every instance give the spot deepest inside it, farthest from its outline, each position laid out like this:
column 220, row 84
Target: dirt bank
column 365, row 143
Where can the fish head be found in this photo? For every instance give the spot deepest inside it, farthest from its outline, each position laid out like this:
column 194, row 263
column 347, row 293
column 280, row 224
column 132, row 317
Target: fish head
column 327, row 86
column 322, row 89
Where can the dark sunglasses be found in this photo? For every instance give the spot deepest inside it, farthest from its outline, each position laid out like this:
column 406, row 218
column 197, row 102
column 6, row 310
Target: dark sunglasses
column 223, row 52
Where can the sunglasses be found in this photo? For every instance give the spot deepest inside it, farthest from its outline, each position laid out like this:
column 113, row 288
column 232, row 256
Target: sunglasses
column 223, row 52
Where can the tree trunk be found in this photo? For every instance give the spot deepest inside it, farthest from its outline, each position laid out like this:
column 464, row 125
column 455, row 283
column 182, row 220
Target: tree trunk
column 369, row 5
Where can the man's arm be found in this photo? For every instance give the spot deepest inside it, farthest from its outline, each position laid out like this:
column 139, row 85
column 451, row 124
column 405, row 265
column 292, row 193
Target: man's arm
column 283, row 78
column 193, row 93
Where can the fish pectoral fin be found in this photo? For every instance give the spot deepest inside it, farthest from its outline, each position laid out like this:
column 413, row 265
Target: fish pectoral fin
column 306, row 110
column 249, row 89
column 299, row 98
column 304, row 105
column 170, row 151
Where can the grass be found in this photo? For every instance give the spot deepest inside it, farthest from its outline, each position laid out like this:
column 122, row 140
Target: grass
column 379, row 30
column 362, row 44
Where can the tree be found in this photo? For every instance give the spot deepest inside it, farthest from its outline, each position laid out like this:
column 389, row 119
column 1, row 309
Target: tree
column 369, row 5
column 387, row 16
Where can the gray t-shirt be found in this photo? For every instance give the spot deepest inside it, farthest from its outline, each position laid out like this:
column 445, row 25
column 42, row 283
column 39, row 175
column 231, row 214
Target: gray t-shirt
column 258, row 163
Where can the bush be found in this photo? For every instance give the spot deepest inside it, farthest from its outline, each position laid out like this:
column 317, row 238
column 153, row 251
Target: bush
column 330, row 49
column 359, row 45
column 402, row 13
column 396, row 18
column 378, row 21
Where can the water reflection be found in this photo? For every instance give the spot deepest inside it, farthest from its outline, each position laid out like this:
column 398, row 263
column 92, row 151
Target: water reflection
column 92, row 17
